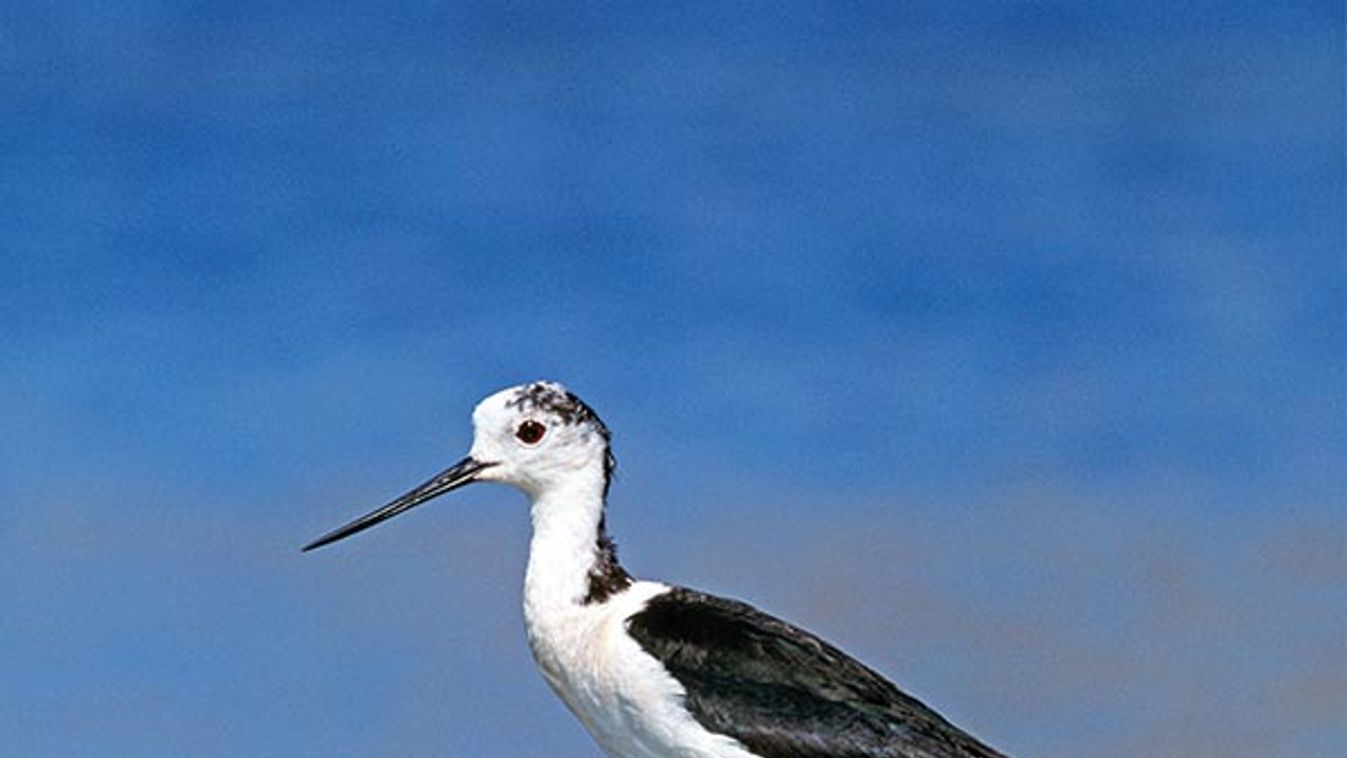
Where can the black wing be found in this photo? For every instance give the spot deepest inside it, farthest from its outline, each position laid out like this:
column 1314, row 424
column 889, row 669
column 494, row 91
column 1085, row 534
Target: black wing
column 783, row 692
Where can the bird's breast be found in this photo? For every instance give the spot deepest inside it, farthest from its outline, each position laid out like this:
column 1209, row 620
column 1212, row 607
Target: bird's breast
column 623, row 696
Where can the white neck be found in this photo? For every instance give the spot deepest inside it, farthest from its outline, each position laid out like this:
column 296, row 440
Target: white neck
column 566, row 518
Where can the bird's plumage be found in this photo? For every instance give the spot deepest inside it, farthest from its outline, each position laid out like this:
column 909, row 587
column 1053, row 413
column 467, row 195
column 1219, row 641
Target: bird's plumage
column 654, row 671
column 782, row 691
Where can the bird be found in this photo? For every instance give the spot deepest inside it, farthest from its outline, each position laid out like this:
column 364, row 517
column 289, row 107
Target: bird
column 654, row 670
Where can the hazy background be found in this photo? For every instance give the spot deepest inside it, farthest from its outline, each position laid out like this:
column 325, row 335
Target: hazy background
column 1001, row 345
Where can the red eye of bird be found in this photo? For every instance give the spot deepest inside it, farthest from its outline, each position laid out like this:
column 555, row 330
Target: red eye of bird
column 530, row 432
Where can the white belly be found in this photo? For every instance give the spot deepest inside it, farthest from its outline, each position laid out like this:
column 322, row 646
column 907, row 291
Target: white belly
column 624, row 697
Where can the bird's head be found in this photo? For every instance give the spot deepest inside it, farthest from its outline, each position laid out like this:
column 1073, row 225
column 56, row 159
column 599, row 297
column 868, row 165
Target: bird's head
column 536, row 437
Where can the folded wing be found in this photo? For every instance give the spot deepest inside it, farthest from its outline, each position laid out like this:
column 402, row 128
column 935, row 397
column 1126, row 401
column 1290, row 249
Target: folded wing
column 783, row 692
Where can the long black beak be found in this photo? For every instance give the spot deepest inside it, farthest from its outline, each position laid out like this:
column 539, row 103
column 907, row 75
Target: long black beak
column 457, row 475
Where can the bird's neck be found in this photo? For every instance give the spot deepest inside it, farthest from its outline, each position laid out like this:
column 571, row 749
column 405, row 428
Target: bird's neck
column 572, row 562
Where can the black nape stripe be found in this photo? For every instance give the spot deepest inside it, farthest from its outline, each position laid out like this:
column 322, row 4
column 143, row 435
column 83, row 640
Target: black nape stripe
column 606, row 577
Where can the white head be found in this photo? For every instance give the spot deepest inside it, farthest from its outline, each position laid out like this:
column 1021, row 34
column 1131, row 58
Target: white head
column 537, row 437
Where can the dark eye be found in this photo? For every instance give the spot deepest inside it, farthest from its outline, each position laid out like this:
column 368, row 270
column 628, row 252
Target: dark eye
column 530, row 432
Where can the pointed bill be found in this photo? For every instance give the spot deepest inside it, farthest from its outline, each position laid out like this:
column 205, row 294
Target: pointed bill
column 457, row 475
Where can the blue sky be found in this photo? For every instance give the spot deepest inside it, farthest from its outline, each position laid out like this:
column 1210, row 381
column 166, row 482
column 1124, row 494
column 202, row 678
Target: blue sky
column 1001, row 344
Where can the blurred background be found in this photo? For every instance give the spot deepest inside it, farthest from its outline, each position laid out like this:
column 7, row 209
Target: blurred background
column 1002, row 345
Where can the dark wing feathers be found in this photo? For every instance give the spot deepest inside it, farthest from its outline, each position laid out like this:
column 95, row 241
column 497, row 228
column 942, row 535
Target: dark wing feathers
column 783, row 692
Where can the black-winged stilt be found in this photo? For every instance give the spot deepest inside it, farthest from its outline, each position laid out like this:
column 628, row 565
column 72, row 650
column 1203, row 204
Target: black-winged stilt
column 652, row 670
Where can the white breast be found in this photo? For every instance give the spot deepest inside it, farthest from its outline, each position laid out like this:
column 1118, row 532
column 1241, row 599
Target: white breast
column 623, row 696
